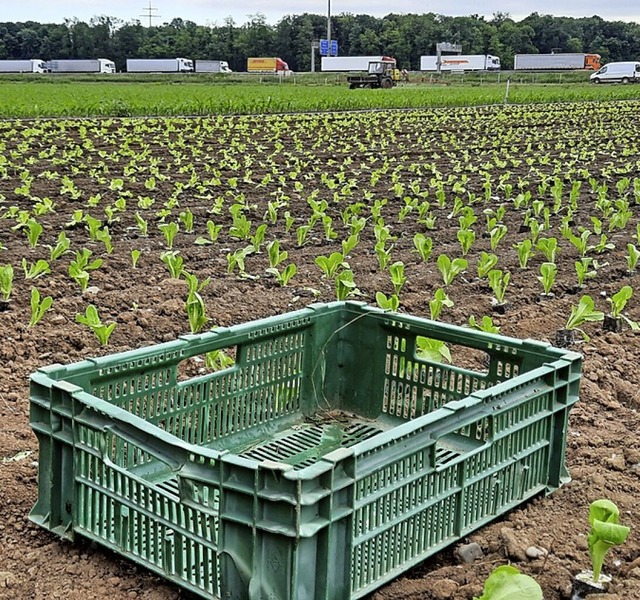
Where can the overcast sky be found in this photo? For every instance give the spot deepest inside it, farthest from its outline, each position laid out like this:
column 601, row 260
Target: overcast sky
column 214, row 11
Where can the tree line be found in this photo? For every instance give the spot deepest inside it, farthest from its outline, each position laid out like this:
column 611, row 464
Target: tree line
column 406, row 37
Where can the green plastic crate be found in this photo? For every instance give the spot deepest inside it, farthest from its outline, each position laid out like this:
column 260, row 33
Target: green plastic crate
column 326, row 461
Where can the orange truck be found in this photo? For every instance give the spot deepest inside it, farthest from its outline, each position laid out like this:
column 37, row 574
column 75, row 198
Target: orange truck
column 267, row 65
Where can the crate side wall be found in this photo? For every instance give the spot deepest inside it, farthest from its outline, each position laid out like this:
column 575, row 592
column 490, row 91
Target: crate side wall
column 482, row 462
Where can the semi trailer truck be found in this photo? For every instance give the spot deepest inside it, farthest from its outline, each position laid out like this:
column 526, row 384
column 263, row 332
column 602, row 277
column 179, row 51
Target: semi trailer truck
column 556, row 61
column 32, row 65
column 159, row 65
column 75, row 65
column 348, row 63
column 461, row 62
column 212, row 66
column 267, row 65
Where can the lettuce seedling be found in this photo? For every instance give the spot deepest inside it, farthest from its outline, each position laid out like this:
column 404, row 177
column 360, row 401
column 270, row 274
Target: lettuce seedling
column 387, row 303
column 329, row 265
column 92, row 320
column 485, row 324
column 618, row 301
column 582, row 313
column 398, row 278
column 6, row 282
column 450, row 268
column 433, row 350
column 38, row 306
column 606, row 532
column 507, row 583
column 423, row 246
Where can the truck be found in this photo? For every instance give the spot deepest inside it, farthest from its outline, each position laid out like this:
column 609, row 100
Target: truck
column 380, row 74
column 212, row 66
column 32, row 65
column 461, row 62
column 159, row 65
column 348, row 63
column 557, row 61
column 267, row 65
column 80, row 65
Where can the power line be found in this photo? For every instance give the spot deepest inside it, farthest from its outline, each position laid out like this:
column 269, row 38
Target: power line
column 149, row 13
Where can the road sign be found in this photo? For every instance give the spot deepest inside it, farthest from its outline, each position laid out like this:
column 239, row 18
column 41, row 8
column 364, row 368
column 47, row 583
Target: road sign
column 324, row 48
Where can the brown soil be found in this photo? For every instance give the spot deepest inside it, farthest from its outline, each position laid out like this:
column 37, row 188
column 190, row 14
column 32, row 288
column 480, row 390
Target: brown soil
column 197, row 161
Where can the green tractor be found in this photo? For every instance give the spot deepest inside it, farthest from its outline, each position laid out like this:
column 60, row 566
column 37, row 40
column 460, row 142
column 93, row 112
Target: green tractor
column 380, row 74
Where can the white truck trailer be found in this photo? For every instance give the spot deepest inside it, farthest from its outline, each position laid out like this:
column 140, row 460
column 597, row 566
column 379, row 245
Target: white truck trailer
column 460, row 62
column 556, row 62
column 33, row 65
column 212, row 66
column 159, row 65
column 349, row 63
column 80, row 65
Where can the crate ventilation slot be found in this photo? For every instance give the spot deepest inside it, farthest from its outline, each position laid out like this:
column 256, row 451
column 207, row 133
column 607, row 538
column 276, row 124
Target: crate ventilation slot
column 308, row 444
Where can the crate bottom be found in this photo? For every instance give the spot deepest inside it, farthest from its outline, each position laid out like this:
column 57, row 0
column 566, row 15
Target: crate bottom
column 303, row 444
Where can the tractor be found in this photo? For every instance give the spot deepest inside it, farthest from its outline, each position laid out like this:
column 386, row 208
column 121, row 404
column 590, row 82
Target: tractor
column 380, row 74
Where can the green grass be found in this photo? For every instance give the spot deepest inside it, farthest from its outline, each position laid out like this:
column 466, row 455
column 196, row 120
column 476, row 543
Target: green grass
column 172, row 95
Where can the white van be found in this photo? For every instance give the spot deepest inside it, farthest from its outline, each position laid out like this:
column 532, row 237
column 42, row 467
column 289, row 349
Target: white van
column 623, row 72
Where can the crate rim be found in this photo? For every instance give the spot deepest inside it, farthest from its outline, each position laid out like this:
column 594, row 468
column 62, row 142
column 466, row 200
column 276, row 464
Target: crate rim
column 326, row 463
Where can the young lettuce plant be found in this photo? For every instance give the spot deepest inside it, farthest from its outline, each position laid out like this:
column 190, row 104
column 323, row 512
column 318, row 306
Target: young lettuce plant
column 387, row 303
column 606, row 532
column 34, row 231
column 329, row 265
column 174, row 262
column 466, row 237
column 285, row 275
column 169, row 230
column 135, row 257
column 440, row 300
column 38, row 306
column 507, row 583
column 584, row 312
column 433, row 350
column 35, row 270
column 618, row 302
column 632, row 257
column 486, row 324
column 450, row 268
column 92, row 320
column 350, row 244
column 584, row 271
column 486, row 262
column 423, row 246
column 547, row 277
column 498, row 283
column 6, row 282
column 548, row 247
column 79, row 267
column 275, row 256
column 345, row 285
column 195, row 305
column 398, row 278
column 62, row 246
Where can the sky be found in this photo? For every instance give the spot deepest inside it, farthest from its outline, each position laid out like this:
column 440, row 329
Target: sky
column 206, row 12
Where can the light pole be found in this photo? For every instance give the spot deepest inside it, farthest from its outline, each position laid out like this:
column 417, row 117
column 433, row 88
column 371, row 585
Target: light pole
column 329, row 27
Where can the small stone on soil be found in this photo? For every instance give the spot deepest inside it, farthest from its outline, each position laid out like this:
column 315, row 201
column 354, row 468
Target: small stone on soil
column 469, row 553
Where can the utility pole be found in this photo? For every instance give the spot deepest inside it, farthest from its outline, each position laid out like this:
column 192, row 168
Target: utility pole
column 329, row 26
column 149, row 13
